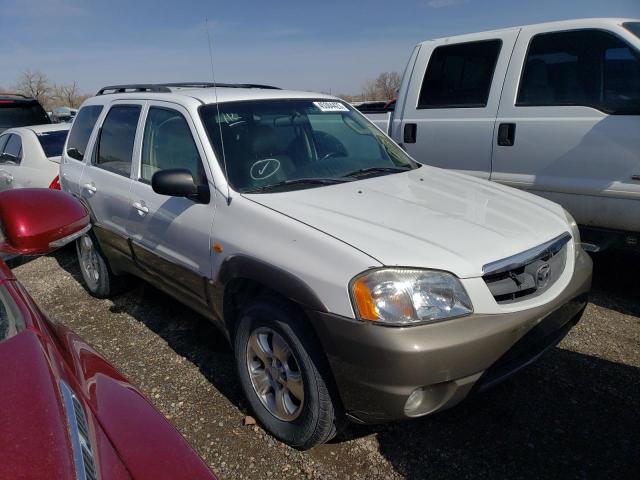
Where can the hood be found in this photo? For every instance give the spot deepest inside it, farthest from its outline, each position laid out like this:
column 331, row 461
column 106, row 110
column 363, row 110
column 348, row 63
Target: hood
column 427, row 218
column 33, row 427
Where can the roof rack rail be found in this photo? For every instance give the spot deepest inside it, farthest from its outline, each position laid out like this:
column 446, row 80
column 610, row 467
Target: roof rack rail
column 140, row 87
column 221, row 85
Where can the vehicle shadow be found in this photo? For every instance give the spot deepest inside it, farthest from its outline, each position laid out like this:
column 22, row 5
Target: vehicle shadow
column 568, row 416
column 615, row 281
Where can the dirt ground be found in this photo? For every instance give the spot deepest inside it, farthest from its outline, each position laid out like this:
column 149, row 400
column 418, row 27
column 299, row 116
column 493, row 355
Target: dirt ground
column 573, row 414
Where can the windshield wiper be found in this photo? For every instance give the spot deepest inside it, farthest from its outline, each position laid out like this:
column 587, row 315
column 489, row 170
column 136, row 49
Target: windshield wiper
column 366, row 171
column 297, row 181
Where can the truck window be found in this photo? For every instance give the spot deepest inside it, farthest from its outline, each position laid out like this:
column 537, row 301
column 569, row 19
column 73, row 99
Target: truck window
column 459, row 76
column 117, row 135
column 590, row 68
column 81, row 130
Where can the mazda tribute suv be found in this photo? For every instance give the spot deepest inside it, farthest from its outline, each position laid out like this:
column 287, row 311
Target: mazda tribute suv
column 352, row 282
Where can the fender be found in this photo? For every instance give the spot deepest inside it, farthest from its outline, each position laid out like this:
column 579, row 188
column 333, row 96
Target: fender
column 277, row 279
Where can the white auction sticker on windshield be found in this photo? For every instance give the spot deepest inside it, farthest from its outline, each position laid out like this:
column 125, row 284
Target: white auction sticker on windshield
column 331, row 107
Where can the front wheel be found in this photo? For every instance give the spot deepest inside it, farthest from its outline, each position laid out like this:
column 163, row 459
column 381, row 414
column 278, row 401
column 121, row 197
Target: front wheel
column 284, row 375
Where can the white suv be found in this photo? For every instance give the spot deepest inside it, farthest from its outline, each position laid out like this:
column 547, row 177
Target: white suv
column 351, row 281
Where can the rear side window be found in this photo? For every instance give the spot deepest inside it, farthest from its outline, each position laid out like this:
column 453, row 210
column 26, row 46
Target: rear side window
column 11, row 322
column 168, row 143
column 460, row 76
column 81, row 130
column 12, row 152
column 117, row 136
column 20, row 114
column 633, row 27
column 589, row 68
column 52, row 142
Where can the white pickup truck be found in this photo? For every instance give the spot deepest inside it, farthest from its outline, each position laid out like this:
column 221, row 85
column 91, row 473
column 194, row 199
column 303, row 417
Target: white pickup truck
column 552, row 108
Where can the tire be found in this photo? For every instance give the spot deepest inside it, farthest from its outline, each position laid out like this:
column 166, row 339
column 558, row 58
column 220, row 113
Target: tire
column 98, row 279
column 299, row 422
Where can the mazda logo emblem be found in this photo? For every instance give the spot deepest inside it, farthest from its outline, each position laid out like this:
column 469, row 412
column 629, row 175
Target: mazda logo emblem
column 542, row 275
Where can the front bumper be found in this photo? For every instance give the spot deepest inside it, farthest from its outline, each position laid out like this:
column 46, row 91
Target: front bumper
column 377, row 368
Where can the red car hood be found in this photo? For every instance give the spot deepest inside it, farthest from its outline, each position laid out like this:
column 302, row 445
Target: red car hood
column 34, row 432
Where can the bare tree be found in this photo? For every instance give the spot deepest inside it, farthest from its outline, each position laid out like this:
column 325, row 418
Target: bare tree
column 384, row 87
column 68, row 95
column 34, row 84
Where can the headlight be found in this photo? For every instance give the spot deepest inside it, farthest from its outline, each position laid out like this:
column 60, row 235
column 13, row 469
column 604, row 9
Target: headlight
column 403, row 296
column 575, row 232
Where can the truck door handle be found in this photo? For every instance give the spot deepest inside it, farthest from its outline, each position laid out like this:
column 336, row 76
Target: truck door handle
column 635, row 177
column 507, row 134
column 141, row 207
column 409, row 133
column 91, row 187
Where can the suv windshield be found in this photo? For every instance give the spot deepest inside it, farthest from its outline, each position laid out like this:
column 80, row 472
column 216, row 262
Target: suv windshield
column 21, row 114
column 271, row 145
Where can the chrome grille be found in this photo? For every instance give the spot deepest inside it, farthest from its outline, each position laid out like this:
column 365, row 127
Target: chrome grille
column 79, row 433
column 527, row 274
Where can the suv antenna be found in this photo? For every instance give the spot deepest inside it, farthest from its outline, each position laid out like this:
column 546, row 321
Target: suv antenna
column 215, row 92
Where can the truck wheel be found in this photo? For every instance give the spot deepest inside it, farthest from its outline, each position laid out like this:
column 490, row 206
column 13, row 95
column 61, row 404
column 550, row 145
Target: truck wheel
column 98, row 278
column 284, row 374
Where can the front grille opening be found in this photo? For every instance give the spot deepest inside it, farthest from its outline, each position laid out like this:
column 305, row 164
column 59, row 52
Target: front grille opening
column 530, row 278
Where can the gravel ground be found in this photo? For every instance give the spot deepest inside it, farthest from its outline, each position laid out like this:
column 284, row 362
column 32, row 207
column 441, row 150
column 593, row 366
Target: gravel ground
column 574, row 414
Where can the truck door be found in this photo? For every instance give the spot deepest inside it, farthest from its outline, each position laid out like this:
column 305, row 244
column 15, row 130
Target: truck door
column 452, row 101
column 568, row 127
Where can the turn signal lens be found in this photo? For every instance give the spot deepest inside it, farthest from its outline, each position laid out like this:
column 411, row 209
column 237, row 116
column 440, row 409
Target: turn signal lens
column 364, row 302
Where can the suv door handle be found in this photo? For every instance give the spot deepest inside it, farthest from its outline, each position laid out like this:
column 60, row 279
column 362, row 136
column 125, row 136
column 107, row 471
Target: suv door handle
column 507, row 134
column 91, row 187
column 141, row 207
column 635, row 177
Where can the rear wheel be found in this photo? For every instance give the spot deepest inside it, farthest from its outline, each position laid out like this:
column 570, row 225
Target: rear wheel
column 98, row 278
column 284, row 374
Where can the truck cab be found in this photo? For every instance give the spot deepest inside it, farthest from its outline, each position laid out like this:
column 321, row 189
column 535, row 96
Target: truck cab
column 552, row 108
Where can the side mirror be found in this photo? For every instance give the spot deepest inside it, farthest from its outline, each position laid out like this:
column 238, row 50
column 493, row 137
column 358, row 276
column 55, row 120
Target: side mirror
column 36, row 221
column 178, row 182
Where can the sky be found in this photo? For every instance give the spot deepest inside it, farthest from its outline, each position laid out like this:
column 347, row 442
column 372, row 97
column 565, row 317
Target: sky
column 330, row 46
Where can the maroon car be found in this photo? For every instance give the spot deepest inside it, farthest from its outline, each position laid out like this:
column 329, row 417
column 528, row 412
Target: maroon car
column 65, row 412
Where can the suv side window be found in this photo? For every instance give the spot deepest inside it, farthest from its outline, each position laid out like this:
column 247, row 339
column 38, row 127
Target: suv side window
column 168, row 143
column 117, row 136
column 590, row 68
column 460, row 76
column 12, row 152
column 81, row 130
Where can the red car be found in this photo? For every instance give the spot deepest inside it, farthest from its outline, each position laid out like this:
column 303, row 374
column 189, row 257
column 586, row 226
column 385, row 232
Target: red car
column 65, row 412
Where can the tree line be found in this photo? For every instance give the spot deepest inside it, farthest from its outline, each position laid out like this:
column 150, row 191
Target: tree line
column 36, row 84
column 384, row 87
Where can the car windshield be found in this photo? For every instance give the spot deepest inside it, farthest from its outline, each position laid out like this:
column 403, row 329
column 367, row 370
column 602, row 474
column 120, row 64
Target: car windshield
column 53, row 142
column 633, row 27
column 276, row 145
